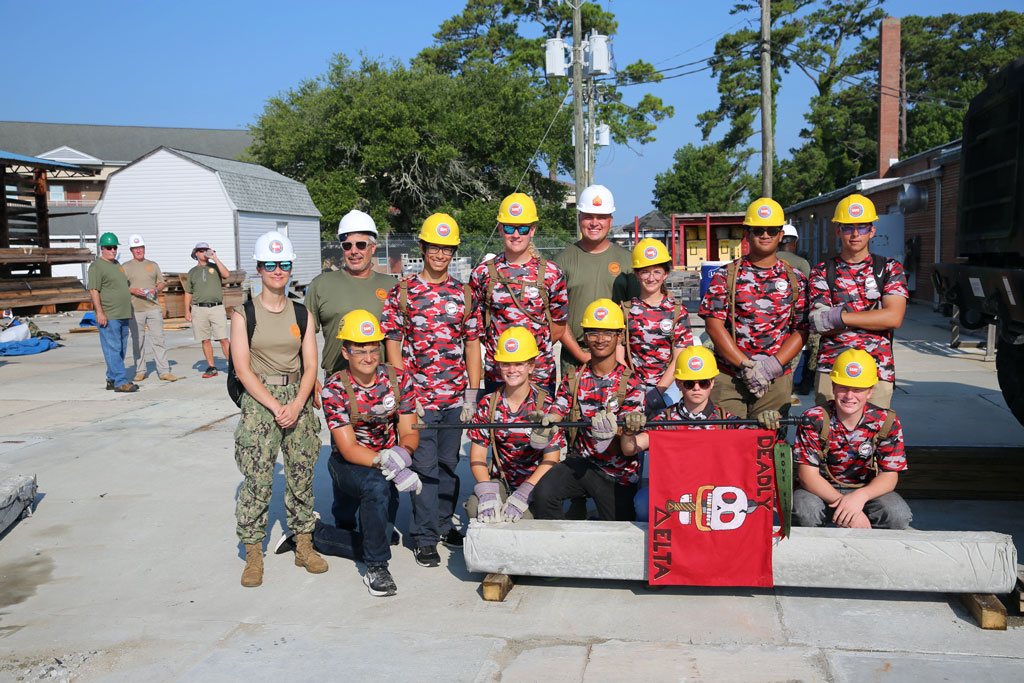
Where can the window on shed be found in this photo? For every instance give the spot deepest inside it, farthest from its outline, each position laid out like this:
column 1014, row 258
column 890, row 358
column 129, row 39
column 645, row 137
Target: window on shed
column 56, row 193
column 282, row 227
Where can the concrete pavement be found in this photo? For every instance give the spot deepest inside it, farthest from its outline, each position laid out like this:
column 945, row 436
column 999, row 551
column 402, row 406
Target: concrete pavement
column 129, row 568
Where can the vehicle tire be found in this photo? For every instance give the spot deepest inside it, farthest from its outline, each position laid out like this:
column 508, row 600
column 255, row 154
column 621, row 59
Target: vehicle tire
column 1010, row 372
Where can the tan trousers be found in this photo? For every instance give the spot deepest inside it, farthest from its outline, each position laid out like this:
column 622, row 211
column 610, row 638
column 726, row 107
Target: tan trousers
column 732, row 394
column 152, row 338
column 881, row 396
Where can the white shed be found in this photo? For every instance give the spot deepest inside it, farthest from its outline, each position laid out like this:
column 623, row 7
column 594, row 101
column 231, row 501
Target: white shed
column 175, row 199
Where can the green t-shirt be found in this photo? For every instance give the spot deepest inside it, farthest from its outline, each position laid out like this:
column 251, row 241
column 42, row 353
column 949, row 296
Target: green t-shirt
column 331, row 295
column 110, row 281
column 593, row 276
column 204, row 285
column 798, row 262
column 144, row 274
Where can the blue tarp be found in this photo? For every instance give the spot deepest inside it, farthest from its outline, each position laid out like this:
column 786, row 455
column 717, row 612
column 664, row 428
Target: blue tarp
column 27, row 347
column 88, row 320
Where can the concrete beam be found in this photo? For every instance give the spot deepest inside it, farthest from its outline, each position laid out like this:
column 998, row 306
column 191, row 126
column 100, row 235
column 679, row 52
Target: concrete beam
column 874, row 559
column 17, row 491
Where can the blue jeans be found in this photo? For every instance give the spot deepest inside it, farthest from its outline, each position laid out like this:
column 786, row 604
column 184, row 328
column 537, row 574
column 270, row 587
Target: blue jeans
column 378, row 505
column 435, row 460
column 114, row 342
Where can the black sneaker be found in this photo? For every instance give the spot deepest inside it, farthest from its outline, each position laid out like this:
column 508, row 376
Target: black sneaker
column 285, row 545
column 426, row 556
column 379, row 582
column 453, row 540
column 210, row 371
column 110, row 385
column 395, row 540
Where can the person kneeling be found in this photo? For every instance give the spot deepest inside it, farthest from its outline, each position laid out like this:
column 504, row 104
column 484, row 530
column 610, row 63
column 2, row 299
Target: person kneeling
column 850, row 455
column 603, row 392
column 519, row 457
column 695, row 372
column 370, row 409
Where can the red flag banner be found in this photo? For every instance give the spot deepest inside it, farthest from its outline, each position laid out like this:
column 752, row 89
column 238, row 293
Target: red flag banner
column 711, row 507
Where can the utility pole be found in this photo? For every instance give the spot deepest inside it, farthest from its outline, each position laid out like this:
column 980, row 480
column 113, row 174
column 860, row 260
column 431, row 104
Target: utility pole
column 591, row 131
column 577, row 95
column 767, row 141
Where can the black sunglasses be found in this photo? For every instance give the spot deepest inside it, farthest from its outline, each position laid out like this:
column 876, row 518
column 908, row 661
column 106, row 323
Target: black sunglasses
column 271, row 266
column 347, row 246
column 760, row 232
column 689, row 384
column 521, row 229
column 106, row 246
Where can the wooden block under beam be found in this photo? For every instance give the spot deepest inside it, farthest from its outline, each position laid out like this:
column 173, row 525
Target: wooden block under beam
column 497, row 586
column 986, row 610
column 1018, row 594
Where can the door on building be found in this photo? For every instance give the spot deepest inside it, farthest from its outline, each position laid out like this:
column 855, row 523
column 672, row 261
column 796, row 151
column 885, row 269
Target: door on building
column 888, row 239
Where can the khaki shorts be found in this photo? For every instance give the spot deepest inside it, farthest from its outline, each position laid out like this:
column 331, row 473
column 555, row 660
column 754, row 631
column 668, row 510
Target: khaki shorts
column 881, row 396
column 209, row 322
column 732, row 394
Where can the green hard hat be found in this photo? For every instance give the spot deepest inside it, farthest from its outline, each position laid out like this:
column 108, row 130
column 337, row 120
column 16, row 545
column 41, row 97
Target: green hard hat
column 108, row 239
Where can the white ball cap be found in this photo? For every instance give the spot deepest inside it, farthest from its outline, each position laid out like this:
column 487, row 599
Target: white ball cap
column 136, row 241
column 356, row 221
column 788, row 230
column 596, row 199
column 273, row 246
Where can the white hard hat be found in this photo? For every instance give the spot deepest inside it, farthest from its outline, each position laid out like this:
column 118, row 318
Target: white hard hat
column 788, row 230
column 136, row 241
column 356, row 221
column 596, row 199
column 273, row 246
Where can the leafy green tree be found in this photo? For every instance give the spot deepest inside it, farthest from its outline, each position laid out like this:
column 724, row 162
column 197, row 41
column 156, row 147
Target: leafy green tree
column 701, row 179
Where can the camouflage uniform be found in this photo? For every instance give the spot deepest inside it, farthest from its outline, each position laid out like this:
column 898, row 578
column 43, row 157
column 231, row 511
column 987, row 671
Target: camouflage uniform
column 653, row 336
column 257, row 441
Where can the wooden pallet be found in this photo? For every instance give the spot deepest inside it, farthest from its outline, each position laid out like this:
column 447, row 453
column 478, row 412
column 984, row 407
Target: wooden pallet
column 963, row 473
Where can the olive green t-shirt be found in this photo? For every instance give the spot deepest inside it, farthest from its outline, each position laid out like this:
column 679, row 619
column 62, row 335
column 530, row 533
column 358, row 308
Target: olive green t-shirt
column 589, row 277
column 331, row 295
column 204, row 285
column 110, row 281
column 144, row 274
column 798, row 262
column 276, row 345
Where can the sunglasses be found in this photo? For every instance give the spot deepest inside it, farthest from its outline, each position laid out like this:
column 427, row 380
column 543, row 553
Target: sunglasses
column 760, row 232
column 271, row 266
column 106, row 247
column 435, row 249
column 689, row 384
column 859, row 229
column 347, row 246
column 512, row 229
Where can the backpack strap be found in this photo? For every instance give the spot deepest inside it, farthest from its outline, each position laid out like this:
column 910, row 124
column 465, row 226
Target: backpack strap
column 301, row 319
column 731, row 271
column 575, row 413
column 883, row 431
column 721, row 416
column 493, row 279
column 467, row 297
column 393, row 379
column 492, row 408
column 355, row 415
column 794, row 292
column 403, row 297
column 250, row 320
column 620, row 391
column 625, row 320
column 542, row 287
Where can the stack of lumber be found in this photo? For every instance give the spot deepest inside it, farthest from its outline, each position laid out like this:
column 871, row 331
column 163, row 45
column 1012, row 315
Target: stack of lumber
column 172, row 299
column 34, row 255
column 42, row 292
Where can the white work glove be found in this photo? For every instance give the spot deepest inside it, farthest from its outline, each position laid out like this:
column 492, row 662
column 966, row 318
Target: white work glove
column 603, row 428
column 824, row 318
column 392, row 461
column 540, row 437
column 469, row 401
column 407, row 480
column 518, row 503
column 488, row 501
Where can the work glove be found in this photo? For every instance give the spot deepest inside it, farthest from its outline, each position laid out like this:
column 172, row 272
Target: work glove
column 407, row 480
column 825, row 319
column 392, row 461
column 469, row 401
column 518, row 503
column 420, row 413
column 769, row 419
column 487, row 501
column 603, row 428
column 748, row 377
column 759, row 372
column 633, row 422
column 540, row 437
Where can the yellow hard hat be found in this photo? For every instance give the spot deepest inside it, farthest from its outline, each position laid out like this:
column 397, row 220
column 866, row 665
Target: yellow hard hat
column 360, row 326
column 440, row 228
column 696, row 362
column 650, row 252
column 855, row 368
column 855, row 209
column 515, row 345
column 764, row 213
column 517, row 209
column 603, row 314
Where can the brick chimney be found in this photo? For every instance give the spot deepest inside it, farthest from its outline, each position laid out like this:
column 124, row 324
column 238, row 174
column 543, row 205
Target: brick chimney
column 889, row 95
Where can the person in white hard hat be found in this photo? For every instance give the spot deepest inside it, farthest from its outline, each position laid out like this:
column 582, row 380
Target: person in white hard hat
column 594, row 269
column 787, row 250
column 145, row 282
column 332, row 295
column 204, row 303
column 803, row 373
column 273, row 353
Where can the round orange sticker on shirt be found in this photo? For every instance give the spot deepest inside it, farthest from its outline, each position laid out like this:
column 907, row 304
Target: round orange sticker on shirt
column 211, row 271
column 614, row 268
column 294, row 329
column 381, row 294
column 149, row 267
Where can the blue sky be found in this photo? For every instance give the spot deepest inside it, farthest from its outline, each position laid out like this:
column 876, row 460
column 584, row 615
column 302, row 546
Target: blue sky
column 213, row 64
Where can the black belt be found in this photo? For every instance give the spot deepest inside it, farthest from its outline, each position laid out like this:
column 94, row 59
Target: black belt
column 207, row 305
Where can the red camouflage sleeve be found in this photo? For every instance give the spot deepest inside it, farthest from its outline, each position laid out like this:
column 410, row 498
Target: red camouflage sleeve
column 392, row 322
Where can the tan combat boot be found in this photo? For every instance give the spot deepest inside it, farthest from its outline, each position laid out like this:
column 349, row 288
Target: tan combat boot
column 306, row 557
column 252, row 575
